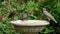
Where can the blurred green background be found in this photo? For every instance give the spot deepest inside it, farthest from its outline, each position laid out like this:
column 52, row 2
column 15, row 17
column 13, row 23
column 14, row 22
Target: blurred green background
column 34, row 8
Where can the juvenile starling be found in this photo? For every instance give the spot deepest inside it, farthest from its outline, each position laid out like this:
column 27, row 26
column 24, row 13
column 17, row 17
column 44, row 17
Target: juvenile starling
column 12, row 14
column 48, row 15
column 24, row 16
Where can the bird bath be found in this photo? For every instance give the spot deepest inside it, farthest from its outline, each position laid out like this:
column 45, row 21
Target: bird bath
column 30, row 26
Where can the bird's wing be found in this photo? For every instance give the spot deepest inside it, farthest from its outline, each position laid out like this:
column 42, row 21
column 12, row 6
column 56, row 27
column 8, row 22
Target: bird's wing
column 48, row 14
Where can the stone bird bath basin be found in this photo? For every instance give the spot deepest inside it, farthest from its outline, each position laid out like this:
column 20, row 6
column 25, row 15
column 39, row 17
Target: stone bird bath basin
column 30, row 26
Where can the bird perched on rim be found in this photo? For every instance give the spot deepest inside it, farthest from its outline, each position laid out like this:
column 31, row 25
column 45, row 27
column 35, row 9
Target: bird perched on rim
column 48, row 15
column 24, row 16
column 12, row 14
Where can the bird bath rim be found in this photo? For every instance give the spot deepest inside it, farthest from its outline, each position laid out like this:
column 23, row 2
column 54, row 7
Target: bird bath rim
column 30, row 26
column 30, row 22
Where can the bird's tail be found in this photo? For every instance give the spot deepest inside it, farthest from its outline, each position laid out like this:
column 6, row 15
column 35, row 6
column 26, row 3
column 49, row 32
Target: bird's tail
column 54, row 20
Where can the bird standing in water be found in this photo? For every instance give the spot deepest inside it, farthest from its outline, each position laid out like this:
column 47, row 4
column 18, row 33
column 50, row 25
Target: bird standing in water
column 48, row 15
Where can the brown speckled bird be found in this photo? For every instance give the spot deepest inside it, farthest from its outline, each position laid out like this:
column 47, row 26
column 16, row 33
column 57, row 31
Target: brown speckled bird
column 12, row 14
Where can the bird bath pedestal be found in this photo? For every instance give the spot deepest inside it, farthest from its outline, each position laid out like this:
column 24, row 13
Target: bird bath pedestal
column 30, row 26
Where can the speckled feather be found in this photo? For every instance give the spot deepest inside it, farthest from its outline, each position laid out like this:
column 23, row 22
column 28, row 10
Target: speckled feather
column 48, row 15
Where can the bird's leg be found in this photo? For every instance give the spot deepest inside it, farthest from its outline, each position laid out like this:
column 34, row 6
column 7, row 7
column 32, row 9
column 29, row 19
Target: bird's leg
column 48, row 19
